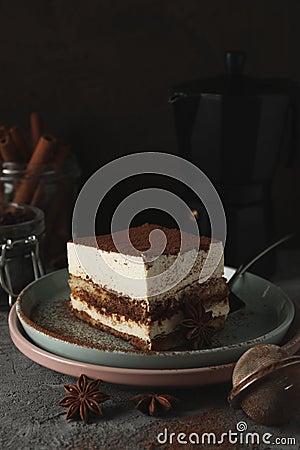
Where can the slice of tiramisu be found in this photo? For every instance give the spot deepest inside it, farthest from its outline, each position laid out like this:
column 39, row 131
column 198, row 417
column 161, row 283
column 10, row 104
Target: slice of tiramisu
column 137, row 283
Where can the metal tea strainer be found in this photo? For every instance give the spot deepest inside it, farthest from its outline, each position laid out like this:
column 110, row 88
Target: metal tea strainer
column 266, row 385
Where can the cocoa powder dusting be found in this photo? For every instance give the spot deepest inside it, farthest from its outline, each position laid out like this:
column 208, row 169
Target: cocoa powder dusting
column 139, row 237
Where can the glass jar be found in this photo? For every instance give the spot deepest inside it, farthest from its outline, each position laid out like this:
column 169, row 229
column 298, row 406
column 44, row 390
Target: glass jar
column 21, row 232
column 52, row 190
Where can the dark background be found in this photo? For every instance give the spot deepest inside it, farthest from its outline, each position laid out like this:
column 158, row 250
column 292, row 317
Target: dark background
column 101, row 71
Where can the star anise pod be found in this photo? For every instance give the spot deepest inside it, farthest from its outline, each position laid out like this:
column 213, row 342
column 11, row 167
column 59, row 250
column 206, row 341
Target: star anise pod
column 154, row 404
column 84, row 397
column 198, row 324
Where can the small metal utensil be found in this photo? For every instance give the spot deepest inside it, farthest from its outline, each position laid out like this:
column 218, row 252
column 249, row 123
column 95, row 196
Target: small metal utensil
column 235, row 302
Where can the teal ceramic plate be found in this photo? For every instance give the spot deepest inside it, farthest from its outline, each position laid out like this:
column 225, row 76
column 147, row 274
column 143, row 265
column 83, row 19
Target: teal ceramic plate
column 44, row 314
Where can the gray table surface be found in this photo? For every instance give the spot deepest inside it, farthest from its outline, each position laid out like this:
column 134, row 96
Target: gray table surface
column 30, row 417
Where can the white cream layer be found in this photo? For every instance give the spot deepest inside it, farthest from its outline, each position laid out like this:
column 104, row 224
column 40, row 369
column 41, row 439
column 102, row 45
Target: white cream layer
column 127, row 326
column 134, row 277
column 142, row 331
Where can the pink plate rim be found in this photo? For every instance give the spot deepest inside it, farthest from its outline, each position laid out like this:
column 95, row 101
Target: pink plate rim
column 137, row 377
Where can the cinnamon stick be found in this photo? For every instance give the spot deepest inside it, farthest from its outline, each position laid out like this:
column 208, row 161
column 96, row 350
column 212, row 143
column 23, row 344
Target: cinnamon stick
column 60, row 155
column 42, row 155
column 3, row 131
column 36, row 127
column 38, row 198
column 20, row 143
column 43, row 152
column 8, row 150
